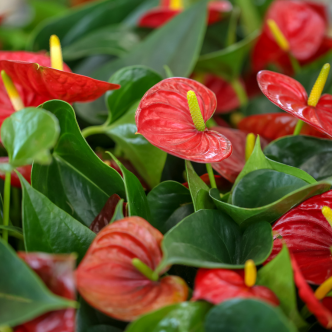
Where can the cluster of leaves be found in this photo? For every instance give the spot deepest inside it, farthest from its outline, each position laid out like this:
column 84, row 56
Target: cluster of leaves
column 80, row 184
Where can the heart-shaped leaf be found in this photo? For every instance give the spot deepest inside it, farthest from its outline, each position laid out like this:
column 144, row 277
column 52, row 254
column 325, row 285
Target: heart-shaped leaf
column 273, row 211
column 28, row 136
column 137, row 201
column 211, row 239
column 241, row 315
column 77, row 181
column 47, row 228
column 169, row 203
column 134, row 81
column 311, row 154
column 23, row 295
column 263, row 187
column 78, row 23
column 176, row 44
column 148, row 160
column 186, row 316
column 228, row 62
column 282, row 284
column 112, row 40
column 198, row 189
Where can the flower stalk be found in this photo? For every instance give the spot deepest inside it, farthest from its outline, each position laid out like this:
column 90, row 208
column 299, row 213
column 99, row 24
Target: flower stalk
column 144, row 269
column 6, row 205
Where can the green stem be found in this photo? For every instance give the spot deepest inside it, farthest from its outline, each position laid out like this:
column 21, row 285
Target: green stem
column 168, row 71
column 86, row 132
column 211, row 176
column 144, row 269
column 231, row 32
column 249, row 15
column 295, row 64
column 6, row 205
column 240, row 91
column 298, row 128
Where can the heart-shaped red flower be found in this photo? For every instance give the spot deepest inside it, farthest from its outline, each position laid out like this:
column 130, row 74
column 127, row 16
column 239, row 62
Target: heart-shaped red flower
column 163, row 118
column 219, row 285
column 290, row 95
column 157, row 17
column 108, row 280
column 275, row 125
column 56, row 271
column 302, row 25
column 308, row 236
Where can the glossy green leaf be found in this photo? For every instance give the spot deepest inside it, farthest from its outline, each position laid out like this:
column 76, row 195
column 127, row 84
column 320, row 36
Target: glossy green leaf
column 186, row 317
column 47, row 228
column 282, row 284
column 273, row 211
column 81, row 21
column 136, row 198
column 244, row 315
column 28, row 136
column 89, row 319
column 147, row 159
column 263, row 187
column 134, row 81
column 113, row 40
column 169, row 203
column 227, row 62
column 176, row 44
column 211, row 239
column 118, row 213
column 198, row 189
column 13, row 231
column 23, row 295
column 311, row 154
column 77, row 181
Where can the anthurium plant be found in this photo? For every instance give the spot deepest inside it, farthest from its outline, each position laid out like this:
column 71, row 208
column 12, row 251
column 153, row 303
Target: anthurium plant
column 165, row 166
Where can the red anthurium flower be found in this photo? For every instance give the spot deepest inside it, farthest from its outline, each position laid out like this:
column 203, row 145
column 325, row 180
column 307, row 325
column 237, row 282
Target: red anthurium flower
column 172, row 116
column 116, row 275
column 15, row 181
column 106, row 214
column 302, row 25
column 170, row 8
column 308, row 236
column 57, row 273
column 290, row 95
column 275, row 125
column 321, row 309
column 220, row 285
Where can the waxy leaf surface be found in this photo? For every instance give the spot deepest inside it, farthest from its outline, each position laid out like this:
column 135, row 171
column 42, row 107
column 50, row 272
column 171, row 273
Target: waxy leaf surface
column 211, row 239
column 23, row 295
column 77, row 181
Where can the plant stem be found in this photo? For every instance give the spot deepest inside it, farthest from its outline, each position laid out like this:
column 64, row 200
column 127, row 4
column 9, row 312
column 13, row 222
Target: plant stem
column 295, row 64
column 144, row 269
column 298, row 128
column 86, row 132
column 211, row 176
column 249, row 15
column 231, row 32
column 240, row 91
column 6, row 205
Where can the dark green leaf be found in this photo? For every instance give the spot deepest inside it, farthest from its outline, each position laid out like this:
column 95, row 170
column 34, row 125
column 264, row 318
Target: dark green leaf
column 23, row 295
column 118, row 213
column 176, row 44
column 81, row 21
column 263, row 187
column 77, row 181
column 28, row 135
column 211, row 239
column 273, row 211
column 198, row 189
column 113, row 40
column 228, row 62
column 246, row 315
column 277, row 275
column 168, row 202
column 147, row 159
column 186, row 317
column 134, row 81
column 311, row 154
column 137, row 201
column 47, row 228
